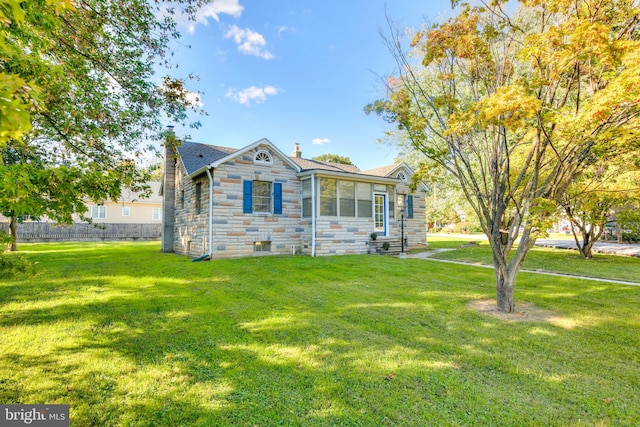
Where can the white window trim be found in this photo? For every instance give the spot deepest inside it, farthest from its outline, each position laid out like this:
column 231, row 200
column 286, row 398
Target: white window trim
column 127, row 209
column 100, row 208
column 153, row 211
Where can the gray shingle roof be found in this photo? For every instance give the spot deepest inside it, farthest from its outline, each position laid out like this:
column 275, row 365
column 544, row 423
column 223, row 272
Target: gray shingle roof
column 382, row 171
column 195, row 155
column 306, row 164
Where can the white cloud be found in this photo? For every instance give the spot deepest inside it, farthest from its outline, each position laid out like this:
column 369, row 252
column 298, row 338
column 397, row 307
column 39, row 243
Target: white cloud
column 283, row 28
column 214, row 9
column 320, row 141
column 210, row 10
column 249, row 42
column 252, row 94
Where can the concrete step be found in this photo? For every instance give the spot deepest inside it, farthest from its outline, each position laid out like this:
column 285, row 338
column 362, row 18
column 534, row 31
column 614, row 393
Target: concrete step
column 395, row 246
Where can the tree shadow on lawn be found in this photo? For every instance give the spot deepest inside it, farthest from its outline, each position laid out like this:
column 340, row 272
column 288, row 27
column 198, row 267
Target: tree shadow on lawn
column 180, row 351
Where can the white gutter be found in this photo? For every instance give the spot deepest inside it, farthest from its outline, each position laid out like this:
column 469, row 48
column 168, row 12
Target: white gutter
column 313, row 215
column 210, row 212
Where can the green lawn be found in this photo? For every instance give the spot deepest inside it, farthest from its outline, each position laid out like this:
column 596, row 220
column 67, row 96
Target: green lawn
column 129, row 336
column 544, row 259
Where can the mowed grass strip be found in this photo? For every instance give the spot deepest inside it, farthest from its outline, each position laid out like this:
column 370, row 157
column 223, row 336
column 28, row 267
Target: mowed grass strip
column 129, row 336
column 566, row 261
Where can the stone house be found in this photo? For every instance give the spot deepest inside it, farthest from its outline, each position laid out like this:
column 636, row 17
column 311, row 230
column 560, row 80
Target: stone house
column 222, row 202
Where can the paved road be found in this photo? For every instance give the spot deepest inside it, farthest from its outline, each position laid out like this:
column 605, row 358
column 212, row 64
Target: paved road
column 600, row 247
column 627, row 249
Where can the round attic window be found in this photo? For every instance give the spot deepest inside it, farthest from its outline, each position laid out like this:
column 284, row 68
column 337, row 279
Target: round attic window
column 262, row 156
column 401, row 176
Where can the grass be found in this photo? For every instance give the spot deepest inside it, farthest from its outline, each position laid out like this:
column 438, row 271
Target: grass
column 128, row 336
column 544, row 259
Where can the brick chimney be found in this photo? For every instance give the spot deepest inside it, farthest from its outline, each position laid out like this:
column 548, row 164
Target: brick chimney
column 296, row 151
column 169, row 191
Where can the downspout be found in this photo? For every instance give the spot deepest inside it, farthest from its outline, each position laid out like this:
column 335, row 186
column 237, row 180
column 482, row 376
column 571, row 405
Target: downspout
column 210, row 212
column 313, row 215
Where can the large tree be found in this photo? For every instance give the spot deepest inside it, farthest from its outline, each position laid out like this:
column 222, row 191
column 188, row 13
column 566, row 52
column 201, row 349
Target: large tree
column 514, row 104
column 81, row 98
column 333, row 158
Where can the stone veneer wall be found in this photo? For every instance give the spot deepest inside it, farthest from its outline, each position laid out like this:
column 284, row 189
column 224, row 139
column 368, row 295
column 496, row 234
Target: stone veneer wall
column 235, row 232
column 191, row 230
column 415, row 229
column 342, row 235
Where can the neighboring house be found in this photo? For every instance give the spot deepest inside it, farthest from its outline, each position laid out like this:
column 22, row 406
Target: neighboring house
column 226, row 202
column 130, row 208
column 131, row 217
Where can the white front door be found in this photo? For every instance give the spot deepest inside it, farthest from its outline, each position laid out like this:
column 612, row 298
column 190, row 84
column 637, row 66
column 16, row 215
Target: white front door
column 380, row 214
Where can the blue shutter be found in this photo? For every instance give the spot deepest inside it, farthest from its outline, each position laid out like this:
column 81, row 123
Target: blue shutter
column 410, row 207
column 247, row 204
column 277, row 198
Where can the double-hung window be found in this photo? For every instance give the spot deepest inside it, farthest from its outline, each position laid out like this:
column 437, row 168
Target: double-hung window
column 262, row 197
column 98, row 212
column 328, row 196
column 347, row 198
column 156, row 214
column 405, row 202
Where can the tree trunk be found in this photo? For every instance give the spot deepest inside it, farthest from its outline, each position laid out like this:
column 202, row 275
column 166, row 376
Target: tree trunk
column 13, row 233
column 504, row 289
column 586, row 252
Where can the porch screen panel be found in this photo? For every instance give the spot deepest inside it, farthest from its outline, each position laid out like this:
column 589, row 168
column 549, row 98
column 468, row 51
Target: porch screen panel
column 306, row 198
column 328, row 197
column 363, row 193
column 347, row 198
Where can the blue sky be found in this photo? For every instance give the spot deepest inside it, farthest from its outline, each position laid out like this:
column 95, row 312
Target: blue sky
column 295, row 71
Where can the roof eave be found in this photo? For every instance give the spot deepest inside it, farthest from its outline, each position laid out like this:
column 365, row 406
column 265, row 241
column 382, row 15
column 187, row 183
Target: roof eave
column 353, row 176
column 200, row 171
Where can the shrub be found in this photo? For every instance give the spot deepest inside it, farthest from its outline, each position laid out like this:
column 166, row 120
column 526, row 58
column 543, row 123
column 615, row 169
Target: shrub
column 14, row 265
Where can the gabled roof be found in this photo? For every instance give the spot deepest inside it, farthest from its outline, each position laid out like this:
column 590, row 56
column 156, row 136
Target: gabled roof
column 382, row 171
column 241, row 151
column 196, row 156
column 390, row 170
